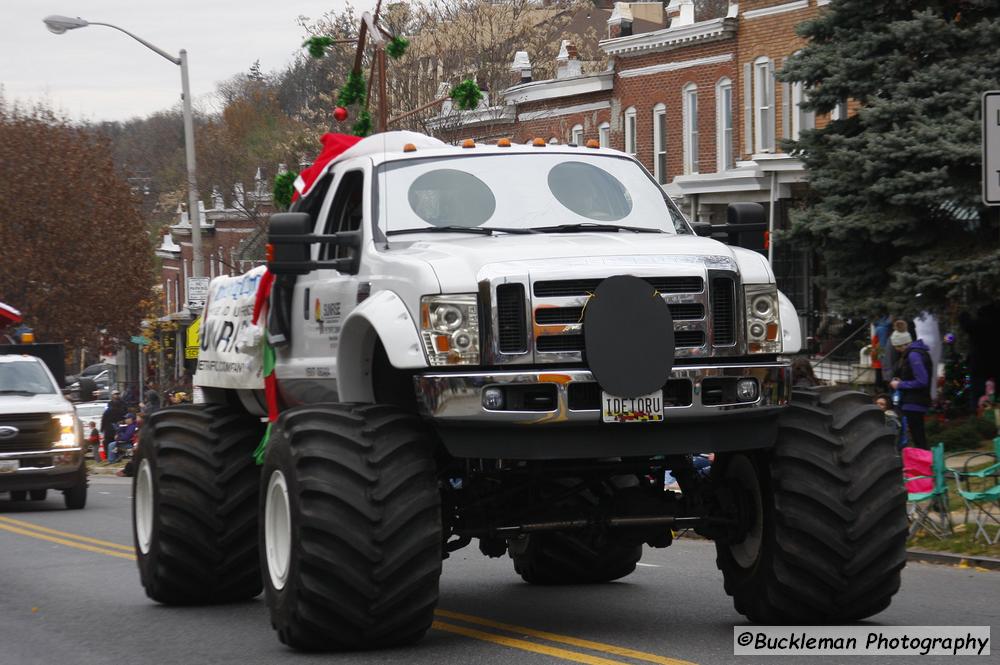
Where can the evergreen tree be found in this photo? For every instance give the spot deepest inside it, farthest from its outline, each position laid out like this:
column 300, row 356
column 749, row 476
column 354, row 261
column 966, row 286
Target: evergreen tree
column 896, row 213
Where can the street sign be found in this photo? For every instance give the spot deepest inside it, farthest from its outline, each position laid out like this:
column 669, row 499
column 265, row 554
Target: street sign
column 991, row 148
column 140, row 340
column 197, row 291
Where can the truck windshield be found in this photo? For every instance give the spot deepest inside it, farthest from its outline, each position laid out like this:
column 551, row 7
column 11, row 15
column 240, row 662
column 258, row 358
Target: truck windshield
column 24, row 378
column 523, row 191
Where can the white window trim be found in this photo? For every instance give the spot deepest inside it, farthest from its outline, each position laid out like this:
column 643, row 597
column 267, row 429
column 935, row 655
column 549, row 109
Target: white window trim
column 801, row 120
column 721, row 140
column 659, row 143
column 604, row 134
column 691, row 143
column 576, row 135
column 631, row 140
column 763, row 67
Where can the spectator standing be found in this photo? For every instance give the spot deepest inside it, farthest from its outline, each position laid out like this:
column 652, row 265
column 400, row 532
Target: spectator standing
column 912, row 382
column 151, row 399
column 112, row 416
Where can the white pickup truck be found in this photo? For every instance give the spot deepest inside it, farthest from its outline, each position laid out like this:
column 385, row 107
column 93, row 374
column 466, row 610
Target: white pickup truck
column 40, row 434
column 510, row 344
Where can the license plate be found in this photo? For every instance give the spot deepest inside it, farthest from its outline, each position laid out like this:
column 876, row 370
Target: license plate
column 642, row 409
column 9, row 466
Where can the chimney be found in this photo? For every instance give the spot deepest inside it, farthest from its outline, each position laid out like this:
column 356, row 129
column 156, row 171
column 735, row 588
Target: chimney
column 620, row 23
column 680, row 13
column 568, row 61
column 239, row 195
column 521, row 68
column 217, row 201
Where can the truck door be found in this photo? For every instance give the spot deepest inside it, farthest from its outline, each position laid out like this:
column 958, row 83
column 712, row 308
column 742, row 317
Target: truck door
column 323, row 298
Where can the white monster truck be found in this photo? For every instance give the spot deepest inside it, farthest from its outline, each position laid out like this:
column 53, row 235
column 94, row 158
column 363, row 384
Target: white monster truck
column 511, row 344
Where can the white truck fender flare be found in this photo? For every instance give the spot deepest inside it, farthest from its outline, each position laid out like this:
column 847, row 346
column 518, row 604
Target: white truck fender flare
column 382, row 316
column 791, row 331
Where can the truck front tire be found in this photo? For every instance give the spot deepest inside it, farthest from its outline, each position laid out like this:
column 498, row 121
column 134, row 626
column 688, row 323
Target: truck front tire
column 827, row 537
column 195, row 505
column 356, row 485
column 75, row 497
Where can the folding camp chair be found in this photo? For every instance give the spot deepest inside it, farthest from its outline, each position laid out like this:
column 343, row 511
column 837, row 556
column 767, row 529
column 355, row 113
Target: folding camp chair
column 980, row 491
column 927, row 491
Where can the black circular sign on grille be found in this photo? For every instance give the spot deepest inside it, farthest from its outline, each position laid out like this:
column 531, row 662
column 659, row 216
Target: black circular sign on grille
column 628, row 336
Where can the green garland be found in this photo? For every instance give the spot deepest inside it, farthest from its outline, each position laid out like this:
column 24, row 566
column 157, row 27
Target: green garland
column 353, row 92
column 363, row 126
column 466, row 95
column 396, row 47
column 284, row 187
column 318, row 45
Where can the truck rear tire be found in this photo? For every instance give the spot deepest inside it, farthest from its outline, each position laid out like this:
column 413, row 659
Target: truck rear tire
column 356, row 485
column 574, row 557
column 827, row 540
column 195, row 505
column 19, row 495
column 39, row 495
column 566, row 558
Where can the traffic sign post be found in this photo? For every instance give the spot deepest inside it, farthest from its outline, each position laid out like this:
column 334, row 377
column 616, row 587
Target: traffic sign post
column 991, row 148
column 197, row 292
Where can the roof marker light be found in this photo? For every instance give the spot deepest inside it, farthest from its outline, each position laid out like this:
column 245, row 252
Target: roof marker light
column 503, row 143
column 409, row 147
column 469, row 143
column 593, row 143
column 539, row 142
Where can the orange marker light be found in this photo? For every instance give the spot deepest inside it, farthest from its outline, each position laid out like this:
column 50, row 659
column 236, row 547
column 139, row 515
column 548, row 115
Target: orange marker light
column 539, row 142
column 772, row 332
column 469, row 143
column 409, row 147
column 503, row 143
column 593, row 143
column 269, row 252
column 442, row 343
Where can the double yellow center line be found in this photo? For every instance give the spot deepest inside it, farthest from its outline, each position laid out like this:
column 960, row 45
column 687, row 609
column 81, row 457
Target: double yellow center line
column 66, row 538
column 517, row 637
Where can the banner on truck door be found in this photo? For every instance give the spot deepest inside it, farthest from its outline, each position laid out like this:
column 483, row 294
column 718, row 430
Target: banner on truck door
column 231, row 349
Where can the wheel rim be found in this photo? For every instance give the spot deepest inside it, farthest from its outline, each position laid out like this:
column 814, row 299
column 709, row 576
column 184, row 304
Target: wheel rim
column 277, row 530
column 741, row 473
column 143, row 503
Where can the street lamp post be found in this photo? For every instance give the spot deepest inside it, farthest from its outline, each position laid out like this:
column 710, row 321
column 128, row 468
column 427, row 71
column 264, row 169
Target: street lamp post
column 60, row 24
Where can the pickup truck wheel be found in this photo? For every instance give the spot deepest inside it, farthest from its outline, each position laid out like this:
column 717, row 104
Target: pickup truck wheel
column 194, row 505
column 39, row 495
column 572, row 557
column 566, row 558
column 356, row 486
column 826, row 539
column 75, row 497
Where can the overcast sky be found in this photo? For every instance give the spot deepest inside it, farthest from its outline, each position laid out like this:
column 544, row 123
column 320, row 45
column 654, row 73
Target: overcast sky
column 97, row 73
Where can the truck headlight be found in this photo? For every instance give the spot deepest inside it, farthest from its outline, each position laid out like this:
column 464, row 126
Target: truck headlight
column 449, row 327
column 763, row 322
column 67, row 431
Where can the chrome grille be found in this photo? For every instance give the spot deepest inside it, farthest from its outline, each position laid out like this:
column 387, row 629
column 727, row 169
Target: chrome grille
column 36, row 431
column 723, row 298
column 585, row 287
column 512, row 330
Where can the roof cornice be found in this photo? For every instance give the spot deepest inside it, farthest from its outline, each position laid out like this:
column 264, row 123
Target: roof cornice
column 671, row 38
column 555, row 88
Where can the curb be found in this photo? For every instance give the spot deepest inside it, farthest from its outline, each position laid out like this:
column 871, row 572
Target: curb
column 959, row 560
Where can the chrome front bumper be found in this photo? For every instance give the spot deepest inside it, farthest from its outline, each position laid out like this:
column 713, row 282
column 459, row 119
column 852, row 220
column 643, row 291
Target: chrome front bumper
column 456, row 398
column 42, row 462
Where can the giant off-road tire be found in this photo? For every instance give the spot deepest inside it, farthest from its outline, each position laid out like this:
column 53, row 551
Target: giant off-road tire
column 574, row 557
column 827, row 535
column 350, row 527
column 195, row 505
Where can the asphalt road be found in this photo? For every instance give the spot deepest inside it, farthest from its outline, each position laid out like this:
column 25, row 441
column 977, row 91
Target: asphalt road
column 70, row 593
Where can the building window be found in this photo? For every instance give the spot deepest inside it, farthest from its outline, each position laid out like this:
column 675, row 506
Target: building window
column 576, row 135
column 801, row 120
column 690, row 107
column 660, row 143
column 725, row 158
column 763, row 105
column 839, row 111
column 604, row 134
column 630, row 131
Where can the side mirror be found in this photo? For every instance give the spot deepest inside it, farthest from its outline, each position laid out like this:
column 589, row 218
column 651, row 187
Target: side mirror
column 288, row 244
column 86, row 390
column 746, row 227
column 702, row 228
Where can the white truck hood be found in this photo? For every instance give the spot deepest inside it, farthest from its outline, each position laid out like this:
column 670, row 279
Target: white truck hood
column 457, row 261
column 34, row 404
